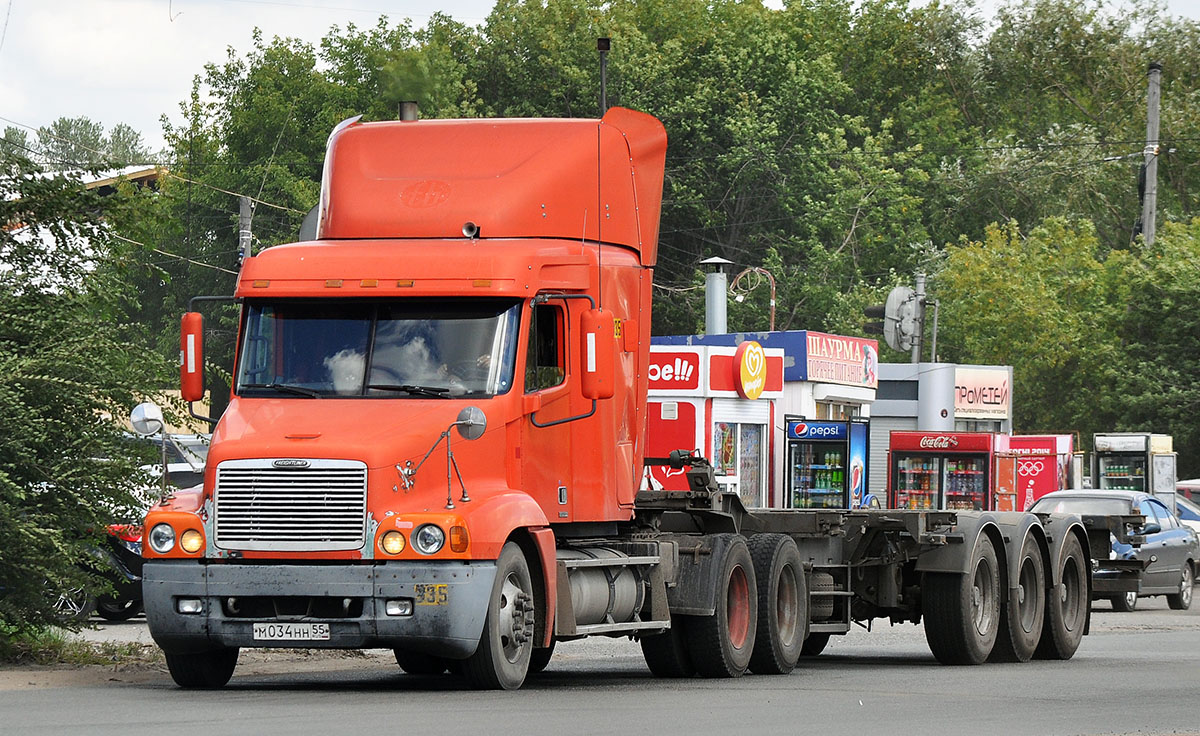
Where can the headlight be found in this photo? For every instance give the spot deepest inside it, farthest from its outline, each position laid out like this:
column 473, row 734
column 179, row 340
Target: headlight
column 162, row 538
column 392, row 543
column 428, row 539
column 191, row 541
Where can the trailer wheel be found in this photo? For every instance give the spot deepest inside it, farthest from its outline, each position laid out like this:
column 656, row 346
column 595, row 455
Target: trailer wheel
column 1067, row 605
column 1125, row 602
column 501, row 660
column 203, row 670
column 419, row 663
column 667, row 653
column 721, row 644
column 814, row 644
column 782, row 604
column 540, row 658
column 1023, row 609
column 1182, row 600
column 962, row 611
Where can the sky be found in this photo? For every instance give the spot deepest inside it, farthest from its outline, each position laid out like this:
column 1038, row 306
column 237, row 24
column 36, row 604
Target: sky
column 132, row 61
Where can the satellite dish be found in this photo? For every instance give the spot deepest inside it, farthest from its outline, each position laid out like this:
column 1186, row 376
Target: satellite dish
column 900, row 318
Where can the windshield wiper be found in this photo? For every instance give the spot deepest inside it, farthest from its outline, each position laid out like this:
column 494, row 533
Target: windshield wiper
column 433, row 392
column 286, row 388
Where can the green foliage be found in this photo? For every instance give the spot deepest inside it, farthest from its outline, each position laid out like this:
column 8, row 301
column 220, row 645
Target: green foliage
column 67, row 366
column 50, row 646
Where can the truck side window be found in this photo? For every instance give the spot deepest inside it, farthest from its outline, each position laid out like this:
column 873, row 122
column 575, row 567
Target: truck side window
column 545, row 365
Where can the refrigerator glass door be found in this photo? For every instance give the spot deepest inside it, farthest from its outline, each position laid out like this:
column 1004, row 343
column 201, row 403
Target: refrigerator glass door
column 916, row 478
column 965, row 482
column 1123, row 471
column 818, row 474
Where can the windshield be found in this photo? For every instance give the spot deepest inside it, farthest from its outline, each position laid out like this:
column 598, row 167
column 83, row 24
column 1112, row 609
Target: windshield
column 400, row 348
column 1083, row 505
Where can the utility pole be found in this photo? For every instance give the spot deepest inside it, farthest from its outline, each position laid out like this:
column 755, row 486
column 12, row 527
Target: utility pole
column 1150, row 152
column 919, row 322
column 245, row 213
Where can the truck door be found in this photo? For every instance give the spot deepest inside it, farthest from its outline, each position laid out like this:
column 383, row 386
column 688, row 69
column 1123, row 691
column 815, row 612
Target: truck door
column 546, row 452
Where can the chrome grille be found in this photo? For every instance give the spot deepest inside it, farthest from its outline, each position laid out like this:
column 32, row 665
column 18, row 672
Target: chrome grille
column 318, row 507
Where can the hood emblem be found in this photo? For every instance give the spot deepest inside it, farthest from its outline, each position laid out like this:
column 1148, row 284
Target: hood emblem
column 290, row 463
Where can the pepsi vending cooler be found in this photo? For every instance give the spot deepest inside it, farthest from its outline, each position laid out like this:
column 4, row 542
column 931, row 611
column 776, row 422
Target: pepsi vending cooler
column 826, row 463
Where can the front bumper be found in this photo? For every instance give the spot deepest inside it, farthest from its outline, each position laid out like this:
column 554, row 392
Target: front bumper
column 350, row 598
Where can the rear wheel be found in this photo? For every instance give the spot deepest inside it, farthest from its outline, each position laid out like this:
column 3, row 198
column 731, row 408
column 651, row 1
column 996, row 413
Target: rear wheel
column 1182, row 600
column 962, row 611
column 723, row 642
column 418, row 663
column 1023, row 609
column 1067, row 605
column 782, row 604
column 1125, row 603
column 203, row 670
column 502, row 659
column 667, row 653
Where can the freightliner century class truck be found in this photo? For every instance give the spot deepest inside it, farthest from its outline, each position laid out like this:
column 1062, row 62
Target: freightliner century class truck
column 436, row 440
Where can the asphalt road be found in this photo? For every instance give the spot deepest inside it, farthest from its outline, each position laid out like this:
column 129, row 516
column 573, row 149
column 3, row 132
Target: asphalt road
column 1136, row 673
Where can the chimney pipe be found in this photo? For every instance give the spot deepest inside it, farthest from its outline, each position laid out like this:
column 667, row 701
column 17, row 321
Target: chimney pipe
column 408, row 110
column 716, row 286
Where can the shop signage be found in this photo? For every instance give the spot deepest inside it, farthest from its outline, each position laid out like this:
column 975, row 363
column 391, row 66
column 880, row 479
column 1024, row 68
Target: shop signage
column 981, row 393
column 800, row 430
column 678, row 371
column 851, row 361
column 750, row 366
column 940, row 442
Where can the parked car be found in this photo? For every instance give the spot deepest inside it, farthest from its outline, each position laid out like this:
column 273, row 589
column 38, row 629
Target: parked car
column 1170, row 547
column 1188, row 513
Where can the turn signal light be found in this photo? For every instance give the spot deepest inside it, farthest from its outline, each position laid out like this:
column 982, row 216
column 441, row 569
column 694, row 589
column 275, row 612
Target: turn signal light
column 392, row 543
column 458, row 539
column 191, row 541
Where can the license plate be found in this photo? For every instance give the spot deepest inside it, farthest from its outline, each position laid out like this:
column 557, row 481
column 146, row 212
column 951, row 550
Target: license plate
column 291, row 632
column 432, row 594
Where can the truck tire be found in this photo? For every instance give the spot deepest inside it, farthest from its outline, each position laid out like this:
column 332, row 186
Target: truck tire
column 1067, row 605
column 1125, row 602
column 962, row 611
column 540, row 658
column 820, row 607
column 782, row 604
column 501, row 660
column 721, row 644
column 1182, row 600
column 667, row 653
column 814, row 644
column 203, row 670
column 419, row 663
column 1023, row 610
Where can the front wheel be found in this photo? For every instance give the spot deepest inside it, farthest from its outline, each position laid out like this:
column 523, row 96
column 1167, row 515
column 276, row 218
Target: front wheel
column 203, row 670
column 1182, row 600
column 962, row 611
column 1125, row 603
column 501, row 660
column 723, row 642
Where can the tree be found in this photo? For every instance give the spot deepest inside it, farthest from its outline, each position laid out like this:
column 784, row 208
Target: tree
column 71, row 144
column 69, row 374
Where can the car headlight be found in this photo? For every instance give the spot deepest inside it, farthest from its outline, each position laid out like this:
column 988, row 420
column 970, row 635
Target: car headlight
column 162, row 538
column 428, row 539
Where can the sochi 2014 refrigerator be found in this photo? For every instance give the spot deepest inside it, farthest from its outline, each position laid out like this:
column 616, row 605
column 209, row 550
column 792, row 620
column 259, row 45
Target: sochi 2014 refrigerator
column 940, row 470
column 1135, row 461
column 826, row 463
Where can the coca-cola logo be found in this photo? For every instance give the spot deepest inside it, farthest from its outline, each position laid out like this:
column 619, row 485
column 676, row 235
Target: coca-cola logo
column 939, row 443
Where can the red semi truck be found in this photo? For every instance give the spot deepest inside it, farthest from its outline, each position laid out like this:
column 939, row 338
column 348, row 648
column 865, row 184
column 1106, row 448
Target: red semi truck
column 436, row 439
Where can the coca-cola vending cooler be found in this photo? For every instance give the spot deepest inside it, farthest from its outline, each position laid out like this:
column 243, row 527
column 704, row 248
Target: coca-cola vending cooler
column 941, row 470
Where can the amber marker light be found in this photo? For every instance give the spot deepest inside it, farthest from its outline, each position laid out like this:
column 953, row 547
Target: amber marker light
column 333, row 283
column 260, row 284
column 392, row 543
column 191, row 541
column 459, row 539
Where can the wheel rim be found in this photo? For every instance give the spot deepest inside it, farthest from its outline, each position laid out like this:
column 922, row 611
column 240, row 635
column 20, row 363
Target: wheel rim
column 513, row 617
column 1185, row 588
column 1072, row 597
column 787, row 605
column 737, row 607
column 1130, row 599
column 1027, row 599
column 983, row 596
column 70, row 603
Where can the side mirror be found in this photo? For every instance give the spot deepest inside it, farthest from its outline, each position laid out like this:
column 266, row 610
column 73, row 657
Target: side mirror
column 471, row 423
column 147, row 419
column 191, row 357
column 599, row 348
column 1152, row 527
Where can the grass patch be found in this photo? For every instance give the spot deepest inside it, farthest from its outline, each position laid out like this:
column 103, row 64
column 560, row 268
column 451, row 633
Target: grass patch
column 57, row 647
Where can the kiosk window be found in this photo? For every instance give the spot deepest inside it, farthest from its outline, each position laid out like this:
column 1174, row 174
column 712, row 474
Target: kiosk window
column 545, row 365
